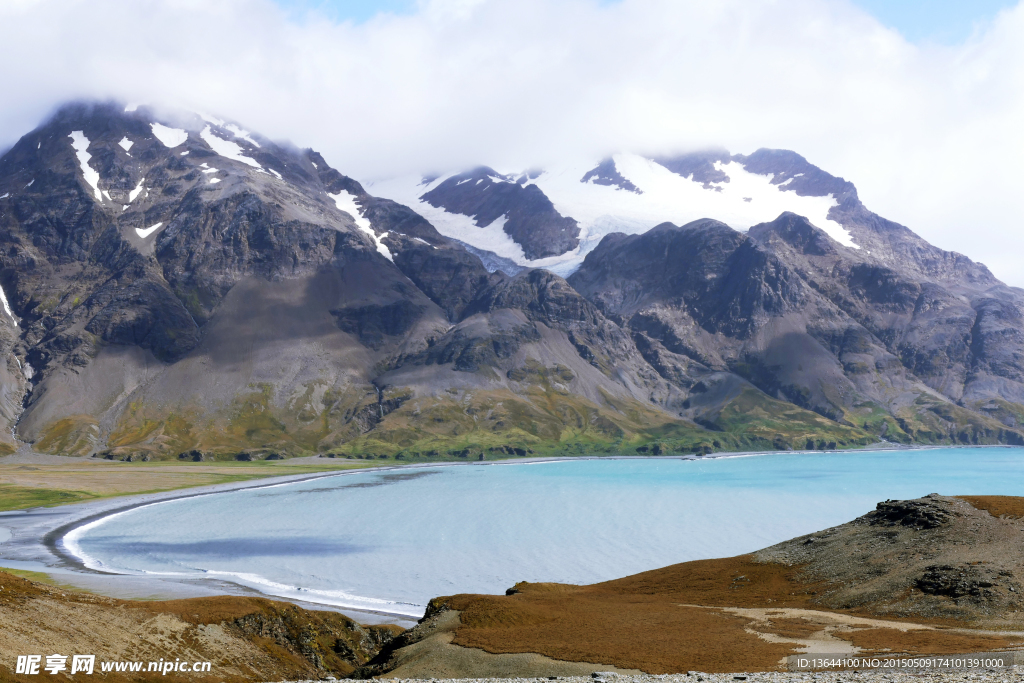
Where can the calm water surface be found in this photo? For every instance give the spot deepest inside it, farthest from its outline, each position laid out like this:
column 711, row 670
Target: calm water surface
column 392, row 540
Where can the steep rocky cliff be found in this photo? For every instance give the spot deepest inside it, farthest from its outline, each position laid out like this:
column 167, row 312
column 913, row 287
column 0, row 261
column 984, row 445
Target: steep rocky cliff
column 174, row 283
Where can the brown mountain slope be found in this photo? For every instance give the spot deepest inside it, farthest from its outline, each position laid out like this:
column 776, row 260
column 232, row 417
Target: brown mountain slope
column 244, row 639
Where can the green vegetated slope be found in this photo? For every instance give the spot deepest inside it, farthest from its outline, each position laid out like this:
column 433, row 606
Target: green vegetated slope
column 486, row 424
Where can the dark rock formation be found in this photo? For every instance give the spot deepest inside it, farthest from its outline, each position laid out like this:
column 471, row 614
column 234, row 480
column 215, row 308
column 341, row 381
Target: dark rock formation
column 605, row 173
column 918, row 514
column 530, row 217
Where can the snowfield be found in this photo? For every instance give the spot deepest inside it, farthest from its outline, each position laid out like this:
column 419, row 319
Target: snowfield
column 81, row 143
column 7, row 306
column 408, row 190
column 146, row 232
column 227, row 149
column 746, row 200
column 170, row 137
column 134, row 194
column 347, row 202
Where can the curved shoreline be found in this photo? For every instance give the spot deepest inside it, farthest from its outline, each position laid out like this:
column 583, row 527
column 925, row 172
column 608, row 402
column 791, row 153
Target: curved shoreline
column 53, row 540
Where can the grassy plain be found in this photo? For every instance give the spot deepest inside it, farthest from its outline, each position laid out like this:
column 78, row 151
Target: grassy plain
column 25, row 485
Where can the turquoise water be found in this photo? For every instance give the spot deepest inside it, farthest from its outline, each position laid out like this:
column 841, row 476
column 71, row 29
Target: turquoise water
column 392, row 540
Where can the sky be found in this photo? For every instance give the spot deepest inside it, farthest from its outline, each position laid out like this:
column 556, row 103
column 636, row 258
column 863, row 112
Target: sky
column 918, row 103
column 944, row 21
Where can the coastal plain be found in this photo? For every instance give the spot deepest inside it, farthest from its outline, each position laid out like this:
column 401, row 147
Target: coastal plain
column 39, row 480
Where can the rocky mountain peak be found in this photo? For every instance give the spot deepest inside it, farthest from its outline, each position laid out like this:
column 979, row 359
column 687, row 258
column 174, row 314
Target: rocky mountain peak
column 174, row 283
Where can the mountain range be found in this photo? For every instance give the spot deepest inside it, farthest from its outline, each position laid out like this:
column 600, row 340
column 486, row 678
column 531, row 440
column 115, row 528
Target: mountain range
column 175, row 286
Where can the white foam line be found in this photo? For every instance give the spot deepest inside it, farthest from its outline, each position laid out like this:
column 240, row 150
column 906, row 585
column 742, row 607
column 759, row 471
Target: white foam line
column 522, row 464
column 336, row 598
column 71, row 543
column 71, row 539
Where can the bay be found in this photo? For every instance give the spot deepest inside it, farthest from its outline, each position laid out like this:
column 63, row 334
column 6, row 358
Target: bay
column 391, row 540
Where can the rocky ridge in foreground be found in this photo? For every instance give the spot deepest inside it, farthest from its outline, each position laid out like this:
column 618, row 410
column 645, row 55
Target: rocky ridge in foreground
column 244, row 639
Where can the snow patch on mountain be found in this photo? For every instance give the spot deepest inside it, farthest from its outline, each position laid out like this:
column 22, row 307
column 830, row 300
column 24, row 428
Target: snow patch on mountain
column 146, row 232
column 240, row 133
column 81, row 144
column 133, row 194
column 660, row 196
column 408, row 190
column 226, row 148
column 211, row 119
column 347, row 202
column 126, row 144
column 746, row 200
column 170, row 137
column 7, row 306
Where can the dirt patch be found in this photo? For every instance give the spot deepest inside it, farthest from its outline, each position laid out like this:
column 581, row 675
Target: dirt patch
column 794, row 628
column 1011, row 507
column 878, row 640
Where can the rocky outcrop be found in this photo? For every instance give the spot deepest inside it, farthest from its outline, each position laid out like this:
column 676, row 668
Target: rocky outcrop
column 803, row 319
column 932, row 557
column 528, row 215
column 917, row 514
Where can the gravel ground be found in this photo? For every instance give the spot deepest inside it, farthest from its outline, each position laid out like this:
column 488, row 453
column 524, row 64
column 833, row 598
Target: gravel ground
column 1008, row 674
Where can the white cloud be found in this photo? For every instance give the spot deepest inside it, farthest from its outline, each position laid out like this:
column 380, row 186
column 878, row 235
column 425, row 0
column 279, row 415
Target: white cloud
column 929, row 134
